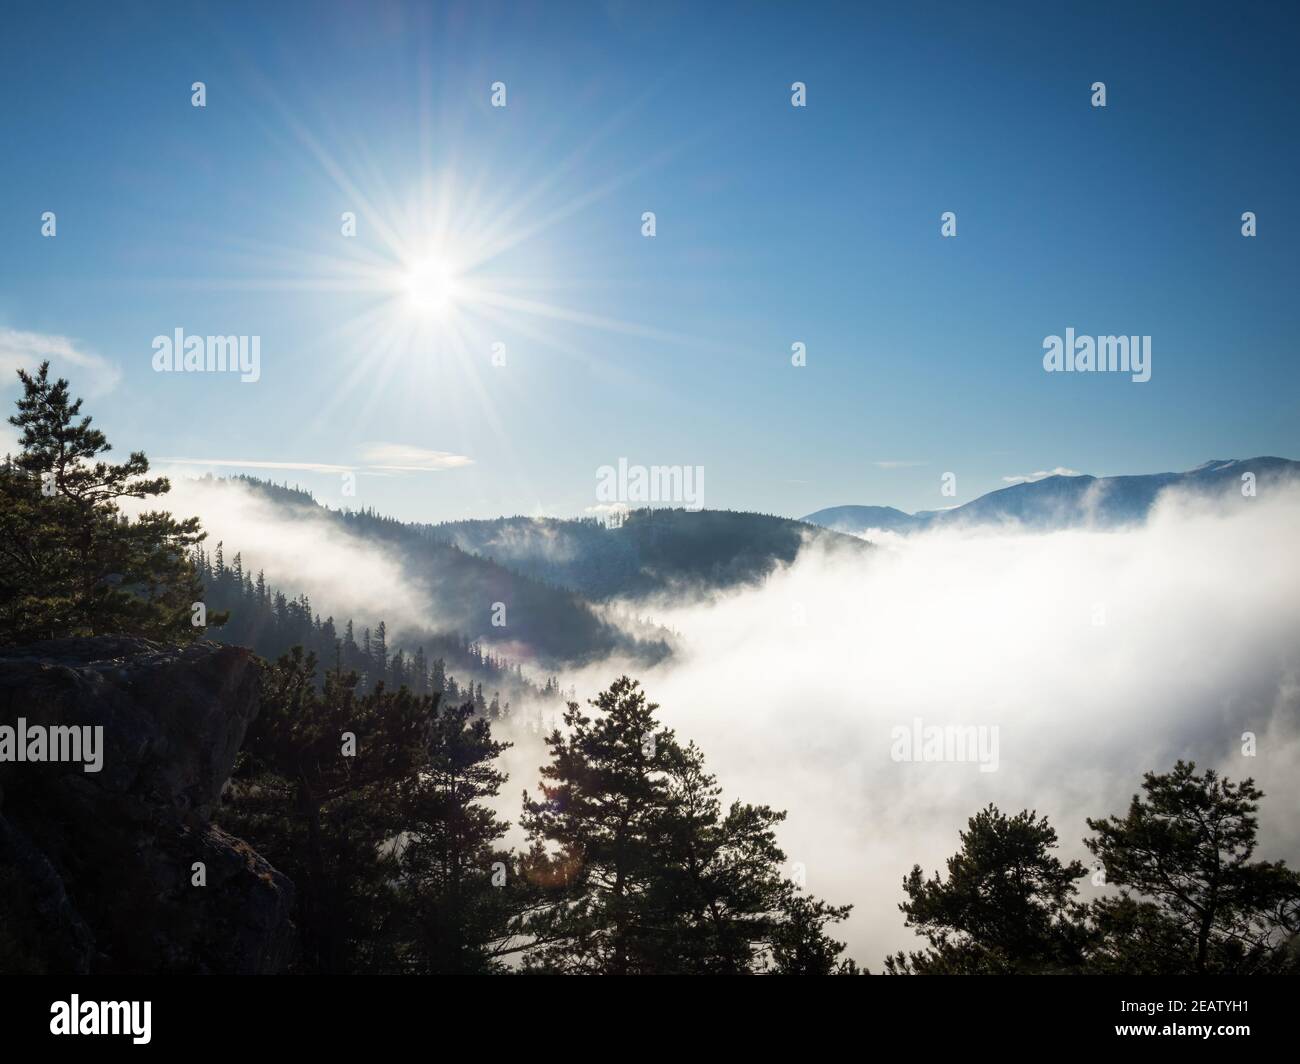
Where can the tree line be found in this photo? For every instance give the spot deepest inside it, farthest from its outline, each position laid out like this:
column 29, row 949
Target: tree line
column 260, row 616
column 1192, row 899
column 377, row 807
column 632, row 864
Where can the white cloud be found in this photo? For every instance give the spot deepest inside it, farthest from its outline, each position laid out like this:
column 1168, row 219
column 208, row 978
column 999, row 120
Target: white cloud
column 90, row 374
column 247, row 463
column 792, row 689
column 1029, row 478
column 387, row 459
column 406, row 459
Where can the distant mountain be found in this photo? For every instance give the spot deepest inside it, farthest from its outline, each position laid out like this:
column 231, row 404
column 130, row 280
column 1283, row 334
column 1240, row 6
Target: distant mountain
column 856, row 519
column 652, row 550
column 1065, row 501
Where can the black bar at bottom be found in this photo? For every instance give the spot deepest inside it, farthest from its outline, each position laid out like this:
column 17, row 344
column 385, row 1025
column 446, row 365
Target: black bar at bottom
column 517, row 1014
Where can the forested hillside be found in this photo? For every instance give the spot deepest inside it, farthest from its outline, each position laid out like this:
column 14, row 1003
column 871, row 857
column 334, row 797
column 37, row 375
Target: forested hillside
column 645, row 551
column 550, row 625
column 261, row 617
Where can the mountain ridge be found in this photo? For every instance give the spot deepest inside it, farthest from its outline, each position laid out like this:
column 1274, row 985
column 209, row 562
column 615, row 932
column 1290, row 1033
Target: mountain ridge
column 553, row 579
column 1061, row 501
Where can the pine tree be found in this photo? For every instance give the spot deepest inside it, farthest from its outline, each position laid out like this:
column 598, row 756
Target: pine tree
column 1192, row 900
column 601, row 797
column 641, row 871
column 326, row 814
column 420, row 666
column 70, row 563
column 459, row 899
column 351, row 652
column 1008, row 905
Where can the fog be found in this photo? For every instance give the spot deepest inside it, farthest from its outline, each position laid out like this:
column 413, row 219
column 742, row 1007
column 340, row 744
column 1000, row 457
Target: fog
column 306, row 553
column 1097, row 655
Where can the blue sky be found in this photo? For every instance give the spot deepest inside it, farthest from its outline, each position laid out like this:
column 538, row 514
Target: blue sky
column 775, row 224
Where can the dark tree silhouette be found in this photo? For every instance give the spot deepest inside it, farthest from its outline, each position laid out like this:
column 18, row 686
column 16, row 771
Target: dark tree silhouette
column 646, row 873
column 70, row 563
column 1192, row 900
column 458, row 895
column 317, row 789
column 1006, row 907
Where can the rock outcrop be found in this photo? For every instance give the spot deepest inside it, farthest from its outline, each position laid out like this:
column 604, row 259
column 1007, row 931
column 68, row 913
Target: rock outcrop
column 97, row 869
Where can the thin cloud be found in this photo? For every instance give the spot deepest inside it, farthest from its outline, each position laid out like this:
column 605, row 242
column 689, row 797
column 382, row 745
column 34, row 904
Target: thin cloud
column 1029, row 478
column 27, row 350
column 898, row 463
column 403, row 458
column 247, row 463
column 379, row 460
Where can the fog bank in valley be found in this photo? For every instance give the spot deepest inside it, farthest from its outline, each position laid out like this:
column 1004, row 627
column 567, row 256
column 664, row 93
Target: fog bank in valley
column 1097, row 655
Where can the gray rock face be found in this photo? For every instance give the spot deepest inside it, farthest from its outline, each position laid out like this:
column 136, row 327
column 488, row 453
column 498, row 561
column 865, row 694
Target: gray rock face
column 97, row 868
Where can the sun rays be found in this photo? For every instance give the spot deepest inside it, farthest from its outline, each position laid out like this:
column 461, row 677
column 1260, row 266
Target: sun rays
column 437, row 250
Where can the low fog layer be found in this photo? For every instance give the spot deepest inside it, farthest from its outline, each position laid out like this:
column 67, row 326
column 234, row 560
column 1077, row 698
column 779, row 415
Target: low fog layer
column 1096, row 655
column 309, row 554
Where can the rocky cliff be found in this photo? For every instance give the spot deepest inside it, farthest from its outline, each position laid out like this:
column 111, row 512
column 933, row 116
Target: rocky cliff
column 99, row 869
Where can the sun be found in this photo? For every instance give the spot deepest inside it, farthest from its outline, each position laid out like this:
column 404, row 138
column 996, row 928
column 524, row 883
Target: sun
column 432, row 287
